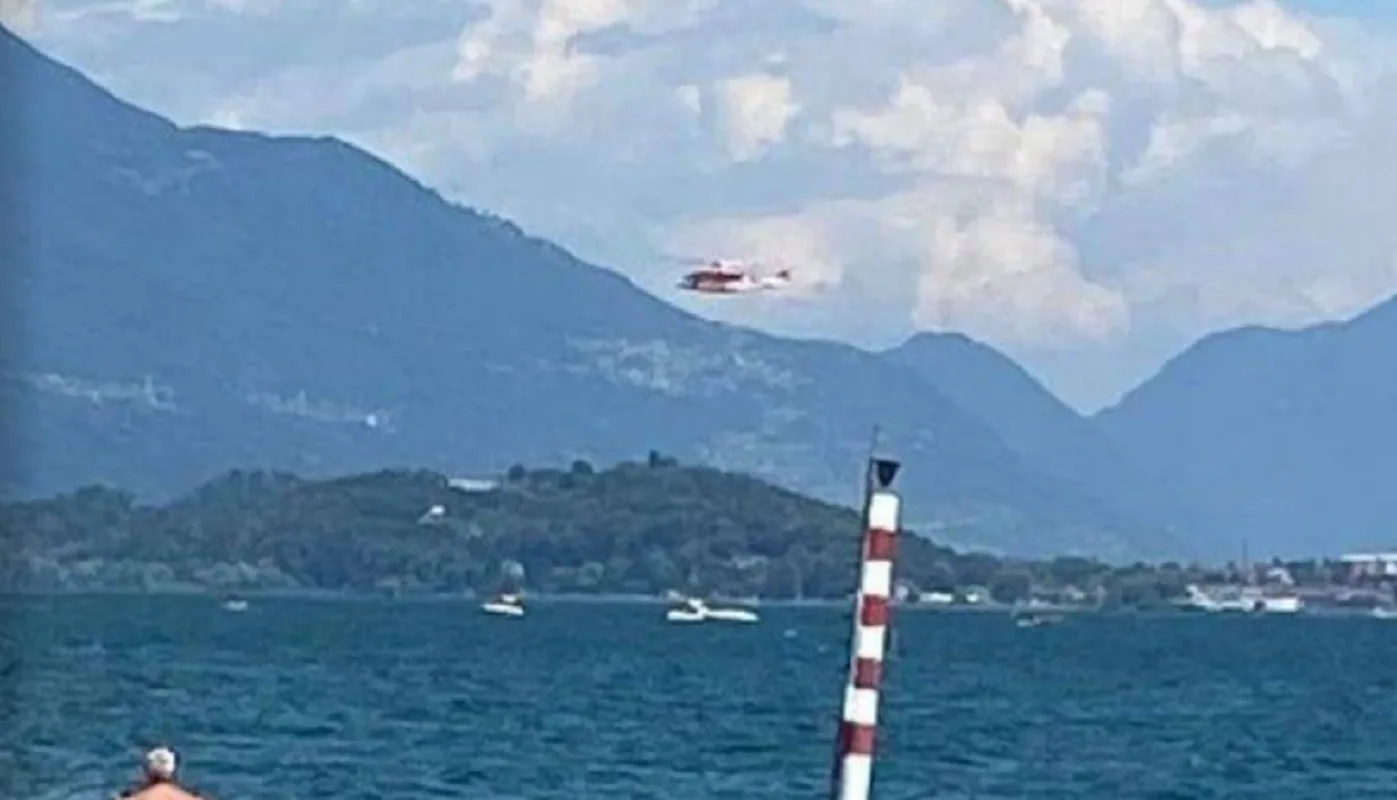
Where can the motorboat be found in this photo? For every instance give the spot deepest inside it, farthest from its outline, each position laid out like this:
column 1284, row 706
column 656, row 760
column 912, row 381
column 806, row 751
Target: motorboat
column 504, row 605
column 1242, row 599
column 1279, row 604
column 1033, row 615
column 691, row 610
column 696, row 610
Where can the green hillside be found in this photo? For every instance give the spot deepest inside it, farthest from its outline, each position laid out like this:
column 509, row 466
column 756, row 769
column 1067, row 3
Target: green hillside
column 634, row 528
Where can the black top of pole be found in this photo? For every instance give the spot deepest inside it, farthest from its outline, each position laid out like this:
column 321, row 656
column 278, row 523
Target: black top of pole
column 885, row 471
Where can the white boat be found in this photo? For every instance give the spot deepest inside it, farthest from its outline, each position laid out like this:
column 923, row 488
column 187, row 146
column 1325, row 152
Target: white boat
column 1242, row 599
column 234, row 604
column 695, row 610
column 690, row 611
column 1383, row 612
column 1280, row 604
column 506, row 605
column 1026, row 616
column 1219, row 600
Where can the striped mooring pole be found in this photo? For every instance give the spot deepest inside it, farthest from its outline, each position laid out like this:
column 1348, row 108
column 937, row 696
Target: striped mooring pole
column 852, row 776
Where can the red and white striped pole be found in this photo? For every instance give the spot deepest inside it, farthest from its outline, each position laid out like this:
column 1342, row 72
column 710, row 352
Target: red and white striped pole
column 853, row 767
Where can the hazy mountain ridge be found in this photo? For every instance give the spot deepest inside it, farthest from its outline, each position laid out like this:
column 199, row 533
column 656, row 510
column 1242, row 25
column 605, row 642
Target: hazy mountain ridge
column 1047, row 432
column 303, row 305
column 1286, row 437
column 1025, row 414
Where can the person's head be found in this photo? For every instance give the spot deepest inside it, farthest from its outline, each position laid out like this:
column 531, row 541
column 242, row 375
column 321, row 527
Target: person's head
column 160, row 764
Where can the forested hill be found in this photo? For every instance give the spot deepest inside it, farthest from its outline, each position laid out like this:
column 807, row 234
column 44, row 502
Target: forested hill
column 637, row 527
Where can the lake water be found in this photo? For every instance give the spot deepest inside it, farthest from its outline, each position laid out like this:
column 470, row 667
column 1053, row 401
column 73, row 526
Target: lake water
column 349, row 699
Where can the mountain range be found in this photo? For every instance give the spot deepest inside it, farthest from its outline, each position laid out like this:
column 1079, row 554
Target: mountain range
column 1286, row 439
column 191, row 299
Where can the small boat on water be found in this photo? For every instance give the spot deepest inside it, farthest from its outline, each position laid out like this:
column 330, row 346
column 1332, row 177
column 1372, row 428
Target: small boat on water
column 1035, row 615
column 1278, row 604
column 695, row 610
column 1383, row 612
column 234, row 604
column 1242, row 599
column 691, row 610
column 504, row 605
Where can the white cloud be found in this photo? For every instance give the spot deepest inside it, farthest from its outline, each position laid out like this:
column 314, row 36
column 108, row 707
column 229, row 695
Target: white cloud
column 259, row 7
column 755, row 110
column 19, row 15
column 1010, row 277
column 137, row 10
column 1109, row 178
column 531, row 44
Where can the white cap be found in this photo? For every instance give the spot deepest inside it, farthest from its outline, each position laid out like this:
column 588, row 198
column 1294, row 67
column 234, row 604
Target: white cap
column 161, row 762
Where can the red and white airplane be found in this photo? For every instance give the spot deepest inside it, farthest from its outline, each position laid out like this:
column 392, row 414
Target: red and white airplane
column 719, row 276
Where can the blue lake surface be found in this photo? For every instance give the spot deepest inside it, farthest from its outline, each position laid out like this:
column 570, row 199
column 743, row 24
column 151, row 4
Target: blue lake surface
column 376, row 699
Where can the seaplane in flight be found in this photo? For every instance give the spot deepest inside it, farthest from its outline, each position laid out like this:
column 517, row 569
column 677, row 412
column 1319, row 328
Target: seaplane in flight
column 721, row 276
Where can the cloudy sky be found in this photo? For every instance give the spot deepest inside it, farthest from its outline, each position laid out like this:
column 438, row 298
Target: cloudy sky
column 1089, row 185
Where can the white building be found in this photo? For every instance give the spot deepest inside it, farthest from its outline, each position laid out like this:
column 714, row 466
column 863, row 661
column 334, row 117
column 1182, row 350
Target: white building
column 1370, row 565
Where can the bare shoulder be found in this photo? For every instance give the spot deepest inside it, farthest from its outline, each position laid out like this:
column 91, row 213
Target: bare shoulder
column 164, row 792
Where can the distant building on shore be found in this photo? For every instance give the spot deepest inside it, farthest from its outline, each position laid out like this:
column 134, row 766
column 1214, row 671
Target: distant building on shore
column 1370, row 565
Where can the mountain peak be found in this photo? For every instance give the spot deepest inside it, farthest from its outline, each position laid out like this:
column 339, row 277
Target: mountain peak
column 953, row 355
column 60, row 101
column 1034, row 422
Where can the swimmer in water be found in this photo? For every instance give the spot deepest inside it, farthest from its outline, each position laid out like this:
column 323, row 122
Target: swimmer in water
column 158, row 779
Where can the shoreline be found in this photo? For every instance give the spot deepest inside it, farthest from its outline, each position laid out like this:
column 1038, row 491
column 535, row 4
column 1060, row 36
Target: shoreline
column 540, row 598
column 543, row 599
column 564, row 599
column 407, row 597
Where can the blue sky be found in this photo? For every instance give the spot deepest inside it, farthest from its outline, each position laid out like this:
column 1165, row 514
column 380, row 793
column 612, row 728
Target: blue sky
column 1089, row 185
